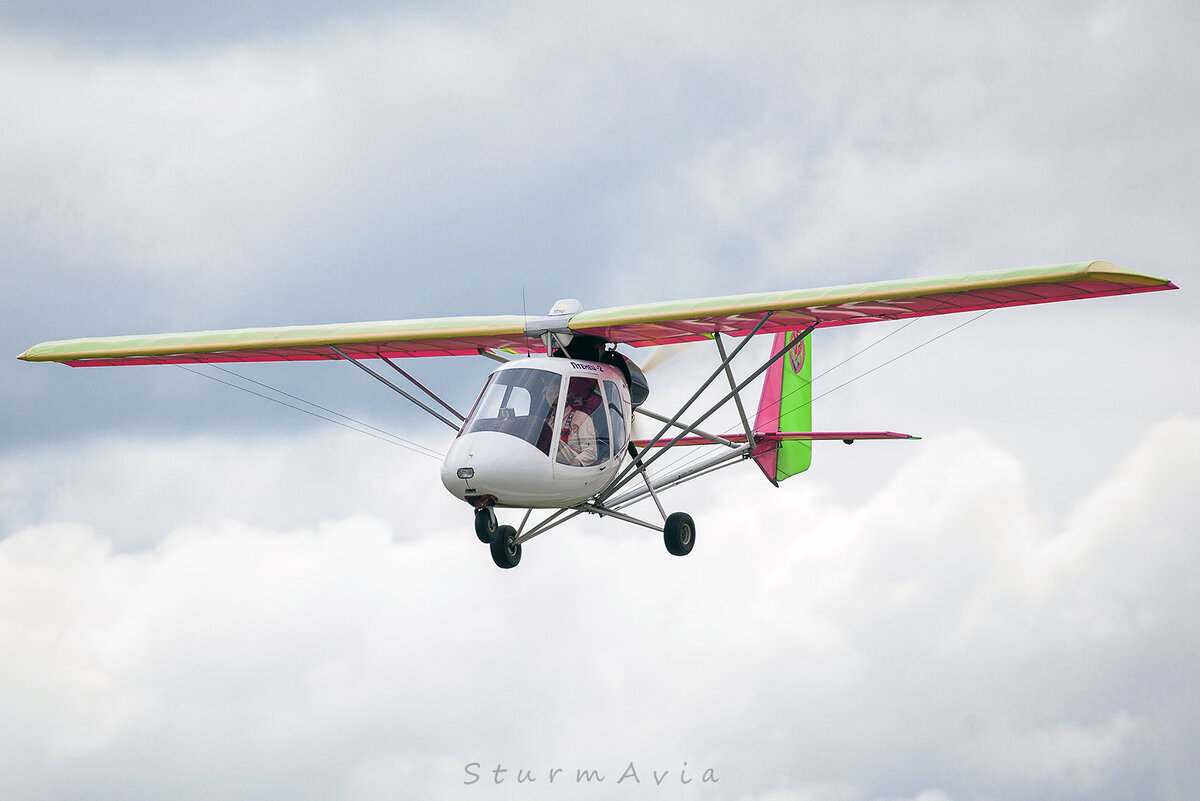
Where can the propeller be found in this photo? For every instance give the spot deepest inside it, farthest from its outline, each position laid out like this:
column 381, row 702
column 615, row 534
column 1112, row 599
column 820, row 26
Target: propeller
column 656, row 359
column 642, row 426
column 659, row 356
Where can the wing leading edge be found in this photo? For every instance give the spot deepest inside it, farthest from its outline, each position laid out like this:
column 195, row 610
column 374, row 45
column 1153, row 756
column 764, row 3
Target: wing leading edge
column 638, row 325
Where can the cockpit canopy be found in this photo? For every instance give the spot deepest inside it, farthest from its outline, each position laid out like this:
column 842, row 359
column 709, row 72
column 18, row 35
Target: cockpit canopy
column 577, row 420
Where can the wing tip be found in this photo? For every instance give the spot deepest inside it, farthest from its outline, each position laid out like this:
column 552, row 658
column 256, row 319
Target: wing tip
column 33, row 354
column 1107, row 268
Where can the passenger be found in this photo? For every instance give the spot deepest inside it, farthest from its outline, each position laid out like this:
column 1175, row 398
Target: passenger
column 584, row 394
column 577, row 435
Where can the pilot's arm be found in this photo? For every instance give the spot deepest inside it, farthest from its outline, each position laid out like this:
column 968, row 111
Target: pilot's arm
column 585, row 442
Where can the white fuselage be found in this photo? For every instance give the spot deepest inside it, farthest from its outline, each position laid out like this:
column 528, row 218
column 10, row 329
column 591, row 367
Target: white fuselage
column 546, row 432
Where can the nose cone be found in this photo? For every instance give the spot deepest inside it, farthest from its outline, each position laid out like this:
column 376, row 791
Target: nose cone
column 488, row 463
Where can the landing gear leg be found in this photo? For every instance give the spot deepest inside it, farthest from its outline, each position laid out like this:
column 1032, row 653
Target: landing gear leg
column 679, row 534
column 485, row 524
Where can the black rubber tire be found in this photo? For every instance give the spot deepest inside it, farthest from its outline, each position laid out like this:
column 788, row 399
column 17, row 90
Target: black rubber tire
column 506, row 551
column 485, row 524
column 679, row 534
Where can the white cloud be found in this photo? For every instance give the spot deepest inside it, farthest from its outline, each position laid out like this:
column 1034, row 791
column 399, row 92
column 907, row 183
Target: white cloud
column 134, row 490
column 1074, row 757
column 939, row 626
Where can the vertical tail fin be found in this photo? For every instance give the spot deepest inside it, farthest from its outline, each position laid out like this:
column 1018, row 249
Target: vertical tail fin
column 785, row 405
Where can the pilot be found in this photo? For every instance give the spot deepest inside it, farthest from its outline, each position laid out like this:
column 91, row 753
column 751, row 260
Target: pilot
column 577, row 435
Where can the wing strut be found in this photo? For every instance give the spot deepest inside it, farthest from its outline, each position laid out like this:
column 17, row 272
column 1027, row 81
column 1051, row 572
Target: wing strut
column 642, row 410
column 737, row 398
column 720, row 460
column 376, row 375
column 628, row 471
column 424, row 389
column 779, row 354
column 491, row 354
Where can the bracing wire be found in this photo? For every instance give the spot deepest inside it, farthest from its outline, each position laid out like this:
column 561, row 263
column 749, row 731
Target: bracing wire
column 894, row 358
column 399, row 439
column 684, row 459
column 858, row 353
column 358, row 425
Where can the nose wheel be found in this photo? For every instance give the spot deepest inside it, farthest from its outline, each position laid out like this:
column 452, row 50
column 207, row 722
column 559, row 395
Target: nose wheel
column 485, row 524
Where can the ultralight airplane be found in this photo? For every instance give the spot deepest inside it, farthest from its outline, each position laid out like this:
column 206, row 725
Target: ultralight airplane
column 553, row 431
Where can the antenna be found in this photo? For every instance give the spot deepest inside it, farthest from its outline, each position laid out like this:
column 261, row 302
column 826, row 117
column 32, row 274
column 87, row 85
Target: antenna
column 524, row 313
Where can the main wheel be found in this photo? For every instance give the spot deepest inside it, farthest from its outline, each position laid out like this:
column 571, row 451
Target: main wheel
column 679, row 534
column 506, row 551
column 485, row 524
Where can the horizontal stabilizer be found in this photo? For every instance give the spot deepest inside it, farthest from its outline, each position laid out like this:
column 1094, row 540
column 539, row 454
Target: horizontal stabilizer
column 767, row 441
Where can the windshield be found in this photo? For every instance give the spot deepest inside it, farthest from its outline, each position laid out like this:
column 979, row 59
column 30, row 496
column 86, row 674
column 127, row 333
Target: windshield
column 518, row 402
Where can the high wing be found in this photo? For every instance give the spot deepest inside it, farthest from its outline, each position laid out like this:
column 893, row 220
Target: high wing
column 687, row 320
column 639, row 325
column 444, row 336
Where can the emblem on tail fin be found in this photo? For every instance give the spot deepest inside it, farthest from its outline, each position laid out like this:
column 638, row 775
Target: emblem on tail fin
column 797, row 356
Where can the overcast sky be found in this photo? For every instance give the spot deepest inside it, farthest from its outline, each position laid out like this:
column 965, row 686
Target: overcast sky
column 205, row 594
